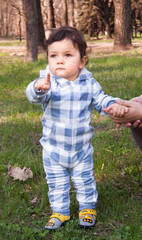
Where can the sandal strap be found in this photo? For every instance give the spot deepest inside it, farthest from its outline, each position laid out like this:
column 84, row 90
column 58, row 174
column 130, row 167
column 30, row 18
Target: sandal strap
column 88, row 211
column 62, row 218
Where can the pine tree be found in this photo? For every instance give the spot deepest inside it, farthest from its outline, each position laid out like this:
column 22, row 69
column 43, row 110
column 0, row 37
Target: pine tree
column 95, row 16
column 87, row 17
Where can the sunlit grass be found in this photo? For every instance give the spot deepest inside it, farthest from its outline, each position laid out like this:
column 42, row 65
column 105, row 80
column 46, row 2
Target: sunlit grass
column 12, row 42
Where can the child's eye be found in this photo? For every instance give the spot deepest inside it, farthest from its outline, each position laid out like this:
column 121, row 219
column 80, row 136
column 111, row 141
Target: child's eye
column 53, row 56
column 68, row 55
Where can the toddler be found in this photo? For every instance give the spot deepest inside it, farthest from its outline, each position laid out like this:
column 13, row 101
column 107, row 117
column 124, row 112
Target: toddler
column 67, row 90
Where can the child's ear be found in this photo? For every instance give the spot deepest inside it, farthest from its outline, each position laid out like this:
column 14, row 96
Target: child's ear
column 83, row 62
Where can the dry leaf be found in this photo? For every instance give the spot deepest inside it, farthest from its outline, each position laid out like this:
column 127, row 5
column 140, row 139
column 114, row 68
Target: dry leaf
column 20, row 174
column 34, row 200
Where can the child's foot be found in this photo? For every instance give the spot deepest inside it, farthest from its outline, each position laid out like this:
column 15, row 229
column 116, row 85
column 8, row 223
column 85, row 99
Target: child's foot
column 56, row 221
column 87, row 218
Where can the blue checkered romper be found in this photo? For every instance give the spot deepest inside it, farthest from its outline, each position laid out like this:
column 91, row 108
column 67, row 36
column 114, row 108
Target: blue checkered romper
column 67, row 134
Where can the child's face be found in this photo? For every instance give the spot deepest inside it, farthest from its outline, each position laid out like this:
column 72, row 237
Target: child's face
column 64, row 59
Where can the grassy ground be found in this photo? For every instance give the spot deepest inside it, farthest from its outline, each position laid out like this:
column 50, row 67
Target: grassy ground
column 117, row 159
column 10, row 42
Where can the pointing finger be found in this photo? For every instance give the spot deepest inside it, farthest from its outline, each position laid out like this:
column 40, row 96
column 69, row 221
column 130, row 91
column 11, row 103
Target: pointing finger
column 48, row 77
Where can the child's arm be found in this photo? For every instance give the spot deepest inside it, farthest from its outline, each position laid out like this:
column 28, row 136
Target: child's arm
column 116, row 110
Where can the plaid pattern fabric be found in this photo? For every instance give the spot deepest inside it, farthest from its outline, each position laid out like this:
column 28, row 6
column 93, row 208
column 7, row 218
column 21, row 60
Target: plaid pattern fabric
column 58, row 179
column 67, row 114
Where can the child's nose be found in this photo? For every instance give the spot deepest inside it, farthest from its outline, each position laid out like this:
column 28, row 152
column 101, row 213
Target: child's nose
column 60, row 60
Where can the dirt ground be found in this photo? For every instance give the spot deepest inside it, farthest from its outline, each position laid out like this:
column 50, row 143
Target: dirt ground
column 98, row 46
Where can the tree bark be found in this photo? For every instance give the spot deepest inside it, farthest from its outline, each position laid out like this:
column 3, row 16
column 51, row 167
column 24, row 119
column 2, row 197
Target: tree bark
column 51, row 19
column 106, row 19
column 31, row 20
column 17, row 7
column 72, row 24
column 41, row 32
column 65, row 13
column 122, row 25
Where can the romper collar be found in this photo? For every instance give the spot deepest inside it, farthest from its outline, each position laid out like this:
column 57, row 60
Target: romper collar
column 63, row 82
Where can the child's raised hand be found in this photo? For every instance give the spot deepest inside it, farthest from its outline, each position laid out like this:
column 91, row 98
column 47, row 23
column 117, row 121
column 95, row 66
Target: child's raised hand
column 43, row 84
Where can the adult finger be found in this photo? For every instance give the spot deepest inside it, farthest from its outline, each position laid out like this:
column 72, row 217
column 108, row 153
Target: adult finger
column 123, row 102
column 136, row 123
column 128, row 124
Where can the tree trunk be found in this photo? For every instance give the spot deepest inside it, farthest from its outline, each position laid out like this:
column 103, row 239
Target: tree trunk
column 72, row 23
column 122, row 25
column 106, row 19
column 65, row 13
column 51, row 20
column 31, row 20
column 107, row 28
column 20, row 28
column 41, row 32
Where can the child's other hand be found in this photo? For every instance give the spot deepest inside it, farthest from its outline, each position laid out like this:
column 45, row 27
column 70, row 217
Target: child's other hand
column 43, row 84
column 116, row 110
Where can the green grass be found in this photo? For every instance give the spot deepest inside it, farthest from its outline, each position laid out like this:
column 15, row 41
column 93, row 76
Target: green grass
column 103, row 39
column 117, row 159
column 12, row 42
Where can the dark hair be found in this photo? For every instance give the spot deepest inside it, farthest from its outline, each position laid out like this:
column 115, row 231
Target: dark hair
column 70, row 33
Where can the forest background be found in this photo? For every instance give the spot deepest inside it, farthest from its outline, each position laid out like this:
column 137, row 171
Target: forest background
column 33, row 20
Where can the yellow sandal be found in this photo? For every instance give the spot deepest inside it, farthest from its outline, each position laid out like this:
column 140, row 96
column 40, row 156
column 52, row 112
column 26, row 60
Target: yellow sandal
column 56, row 221
column 87, row 218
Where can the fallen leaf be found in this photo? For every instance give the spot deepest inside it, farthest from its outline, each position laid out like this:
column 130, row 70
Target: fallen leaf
column 34, row 200
column 20, row 174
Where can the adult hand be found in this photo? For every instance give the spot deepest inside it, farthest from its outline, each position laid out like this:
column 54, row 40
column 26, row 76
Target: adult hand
column 134, row 113
column 137, row 123
column 137, row 99
column 43, row 84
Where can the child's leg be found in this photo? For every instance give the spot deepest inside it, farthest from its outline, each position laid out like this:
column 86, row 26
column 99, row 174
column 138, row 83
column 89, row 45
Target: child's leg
column 84, row 182
column 58, row 179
